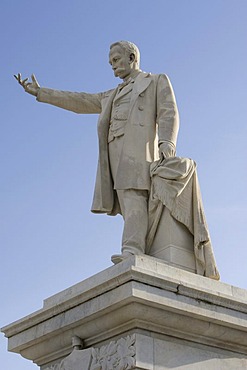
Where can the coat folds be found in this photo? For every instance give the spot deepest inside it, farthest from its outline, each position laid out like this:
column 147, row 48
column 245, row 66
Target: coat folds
column 153, row 118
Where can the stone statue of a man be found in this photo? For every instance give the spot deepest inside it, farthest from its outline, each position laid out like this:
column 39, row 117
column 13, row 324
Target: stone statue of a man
column 138, row 123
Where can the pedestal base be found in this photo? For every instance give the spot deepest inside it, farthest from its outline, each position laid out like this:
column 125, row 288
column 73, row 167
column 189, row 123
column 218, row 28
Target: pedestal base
column 139, row 314
column 174, row 243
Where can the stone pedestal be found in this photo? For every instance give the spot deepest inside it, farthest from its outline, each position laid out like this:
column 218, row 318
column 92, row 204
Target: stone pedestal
column 174, row 243
column 139, row 314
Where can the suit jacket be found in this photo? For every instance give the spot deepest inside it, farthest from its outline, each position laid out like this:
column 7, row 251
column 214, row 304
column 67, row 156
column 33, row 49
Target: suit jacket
column 153, row 118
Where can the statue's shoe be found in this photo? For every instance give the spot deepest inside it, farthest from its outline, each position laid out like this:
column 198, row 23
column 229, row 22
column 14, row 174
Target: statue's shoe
column 117, row 258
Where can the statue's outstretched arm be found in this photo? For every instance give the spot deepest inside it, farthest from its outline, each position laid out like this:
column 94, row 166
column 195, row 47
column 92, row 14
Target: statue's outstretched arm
column 73, row 101
column 30, row 87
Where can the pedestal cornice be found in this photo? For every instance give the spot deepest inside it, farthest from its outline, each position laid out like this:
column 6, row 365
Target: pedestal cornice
column 142, row 294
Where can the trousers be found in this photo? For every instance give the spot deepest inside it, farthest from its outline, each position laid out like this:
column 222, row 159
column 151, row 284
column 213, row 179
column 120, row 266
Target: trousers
column 133, row 204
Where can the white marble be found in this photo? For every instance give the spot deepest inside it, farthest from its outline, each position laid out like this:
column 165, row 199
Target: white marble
column 155, row 352
column 185, row 355
column 138, row 172
column 174, row 243
column 141, row 295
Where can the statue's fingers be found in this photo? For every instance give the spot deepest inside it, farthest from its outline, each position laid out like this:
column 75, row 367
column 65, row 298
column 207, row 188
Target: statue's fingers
column 18, row 77
column 34, row 79
column 23, row 82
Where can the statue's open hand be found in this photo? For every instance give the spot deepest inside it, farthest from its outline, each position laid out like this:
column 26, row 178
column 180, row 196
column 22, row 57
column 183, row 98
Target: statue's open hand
column 30, row 87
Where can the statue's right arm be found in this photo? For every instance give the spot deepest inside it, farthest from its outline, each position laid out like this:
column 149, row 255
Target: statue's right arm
column 75, row 102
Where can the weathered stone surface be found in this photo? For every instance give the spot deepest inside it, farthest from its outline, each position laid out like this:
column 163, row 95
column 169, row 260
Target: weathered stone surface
column 119, row 354
column 138, row 174
column 178, row 319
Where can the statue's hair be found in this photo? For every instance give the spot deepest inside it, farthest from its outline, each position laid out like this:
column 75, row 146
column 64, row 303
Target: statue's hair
column 129, row 48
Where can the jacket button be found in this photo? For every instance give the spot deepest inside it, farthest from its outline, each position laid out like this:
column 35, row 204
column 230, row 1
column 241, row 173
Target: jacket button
column 140, row 107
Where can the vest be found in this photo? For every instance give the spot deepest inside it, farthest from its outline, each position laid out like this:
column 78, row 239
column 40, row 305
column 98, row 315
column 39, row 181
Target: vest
column 120, row 111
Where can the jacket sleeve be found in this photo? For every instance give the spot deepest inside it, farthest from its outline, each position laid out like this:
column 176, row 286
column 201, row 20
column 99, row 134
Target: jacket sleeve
column 73, row 101
column 167, row 112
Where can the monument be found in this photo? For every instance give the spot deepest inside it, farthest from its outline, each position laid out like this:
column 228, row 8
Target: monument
column 138, row 174
column 160, row 305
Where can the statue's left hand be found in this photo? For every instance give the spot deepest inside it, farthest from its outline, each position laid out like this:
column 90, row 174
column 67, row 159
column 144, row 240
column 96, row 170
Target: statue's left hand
column 167, row 149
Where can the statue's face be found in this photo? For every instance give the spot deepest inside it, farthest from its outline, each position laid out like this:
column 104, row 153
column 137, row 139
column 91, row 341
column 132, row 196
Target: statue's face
column 121, row 63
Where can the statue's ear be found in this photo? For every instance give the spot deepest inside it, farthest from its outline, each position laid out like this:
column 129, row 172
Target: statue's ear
column 132, row 58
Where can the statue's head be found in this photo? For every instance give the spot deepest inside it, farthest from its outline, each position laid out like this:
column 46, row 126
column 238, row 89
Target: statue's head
column 124, row 58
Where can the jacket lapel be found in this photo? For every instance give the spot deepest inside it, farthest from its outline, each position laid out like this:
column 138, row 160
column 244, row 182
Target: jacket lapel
column 105, row 116
column 106, row 113
column 124, row 91
column 141, row 83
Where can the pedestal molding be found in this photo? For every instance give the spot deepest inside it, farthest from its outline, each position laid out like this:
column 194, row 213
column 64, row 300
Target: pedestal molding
column 139, row 294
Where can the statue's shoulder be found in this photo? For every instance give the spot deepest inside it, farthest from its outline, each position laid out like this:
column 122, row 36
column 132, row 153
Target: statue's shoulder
column 155, row 76
column 107, row 93
column 163, row 79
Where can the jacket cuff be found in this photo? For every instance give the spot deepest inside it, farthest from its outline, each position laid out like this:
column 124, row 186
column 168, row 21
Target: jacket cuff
column 167, row 141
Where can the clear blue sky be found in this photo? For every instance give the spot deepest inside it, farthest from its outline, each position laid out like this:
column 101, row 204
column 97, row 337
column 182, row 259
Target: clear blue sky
column 49, row 239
